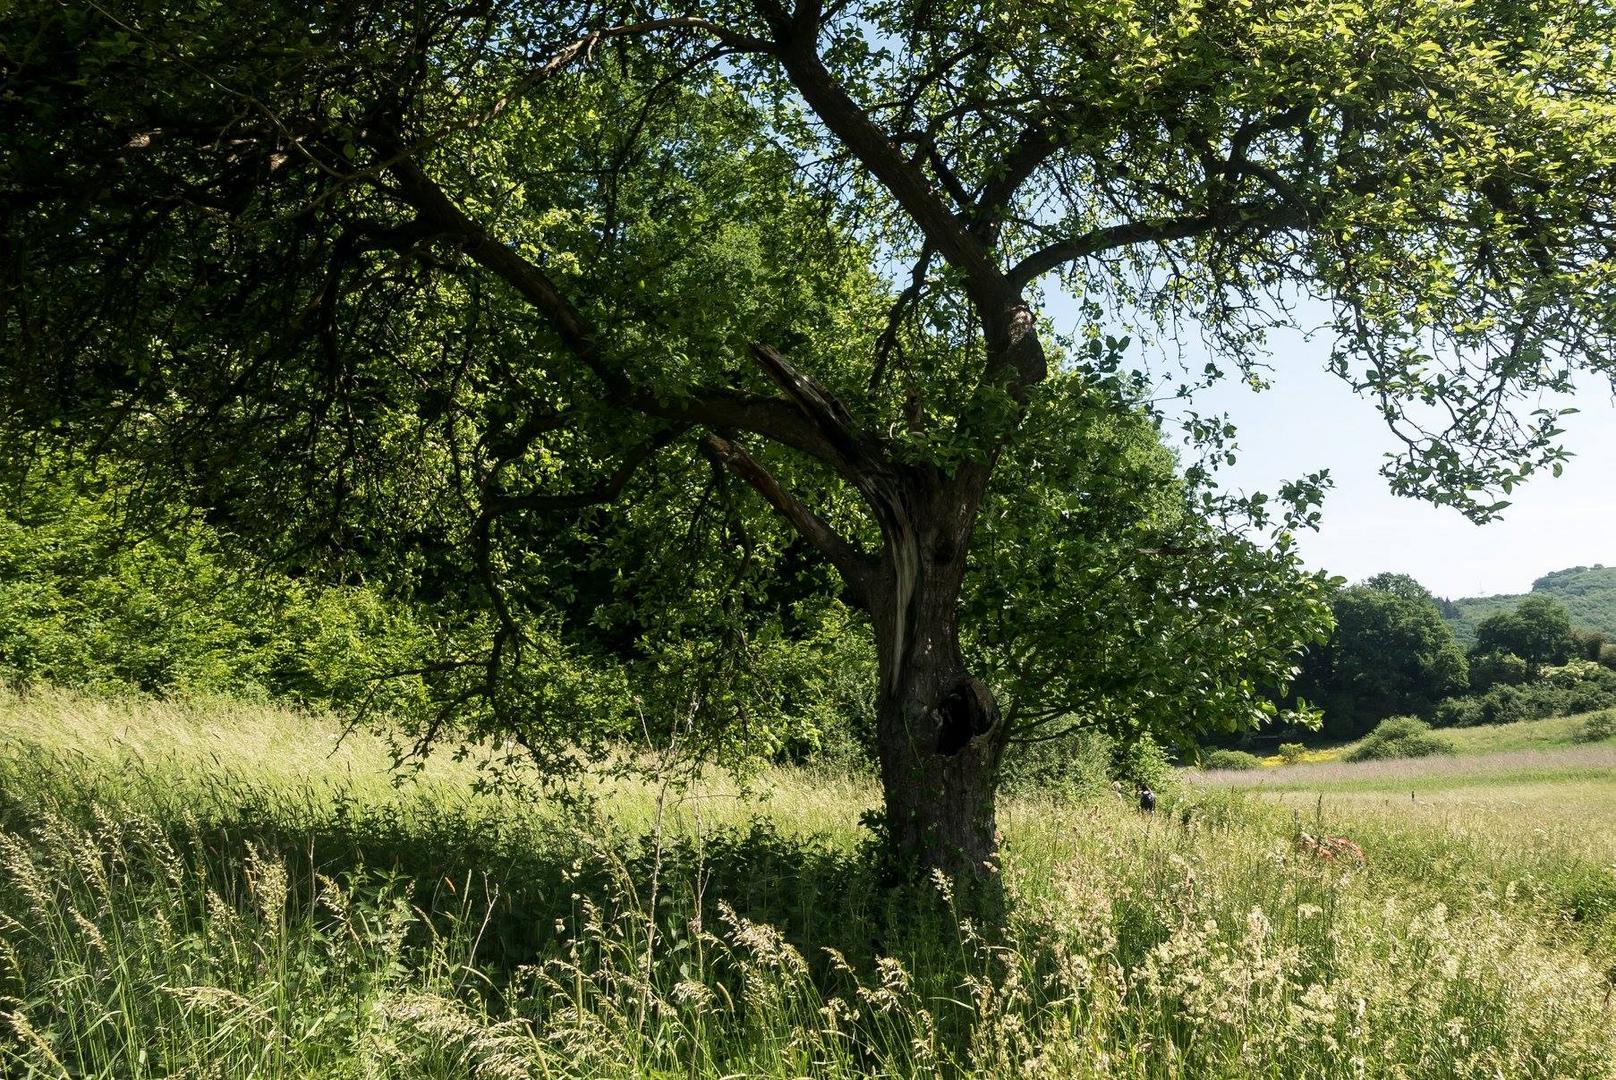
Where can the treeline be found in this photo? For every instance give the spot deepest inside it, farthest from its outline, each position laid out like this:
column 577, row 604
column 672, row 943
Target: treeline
column 1393, row 654
column 96, row 598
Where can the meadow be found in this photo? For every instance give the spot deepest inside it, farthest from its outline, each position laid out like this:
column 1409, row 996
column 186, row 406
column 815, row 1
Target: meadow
column 206, row 888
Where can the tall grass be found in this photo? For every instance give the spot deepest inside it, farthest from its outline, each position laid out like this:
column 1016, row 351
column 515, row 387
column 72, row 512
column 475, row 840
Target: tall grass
column 160, row 920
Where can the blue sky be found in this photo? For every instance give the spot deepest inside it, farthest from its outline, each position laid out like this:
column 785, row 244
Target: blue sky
column 1310, row 420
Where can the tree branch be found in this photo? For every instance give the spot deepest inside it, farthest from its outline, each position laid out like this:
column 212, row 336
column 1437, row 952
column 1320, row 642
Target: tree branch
column 889, row 336
column 773, row 418
column 604, row 492
column 1156, row 230
column 822, row 409
column 855, row 567
column 435, row 207
column 1032, row 149
column 907, row 184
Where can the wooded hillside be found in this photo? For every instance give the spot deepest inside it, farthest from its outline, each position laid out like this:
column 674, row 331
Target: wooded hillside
column 1588, row 593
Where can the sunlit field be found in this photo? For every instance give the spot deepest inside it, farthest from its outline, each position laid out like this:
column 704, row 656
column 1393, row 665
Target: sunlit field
column 226, row 890
column 1557, row 766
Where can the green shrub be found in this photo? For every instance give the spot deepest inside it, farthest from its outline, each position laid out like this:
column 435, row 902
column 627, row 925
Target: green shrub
column 1142, row 760
column 1505, row 705
column 1498, row 668
column 1459, row 712
column 1514, row 704
column 1085, row 763
column 1401, row 737
column 1291, row 752
column 1598, row 727
column 1077, row 765
column 1231, row 759
column 92, row 601
column 1586, row 697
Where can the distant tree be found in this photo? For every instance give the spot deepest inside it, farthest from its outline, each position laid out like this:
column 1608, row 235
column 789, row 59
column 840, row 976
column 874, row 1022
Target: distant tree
column 1589, row 644
column 542, row 310
column 1538, row 631
column 1401, row 586
column 1391, row 654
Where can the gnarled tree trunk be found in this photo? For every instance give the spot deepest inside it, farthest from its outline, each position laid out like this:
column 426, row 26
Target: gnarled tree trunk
column 939, row 735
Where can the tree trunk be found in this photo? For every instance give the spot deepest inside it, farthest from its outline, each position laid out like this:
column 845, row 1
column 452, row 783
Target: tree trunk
column 939, row 736
column 939, row 746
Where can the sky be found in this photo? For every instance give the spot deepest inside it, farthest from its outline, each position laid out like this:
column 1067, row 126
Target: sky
column 1310, row 420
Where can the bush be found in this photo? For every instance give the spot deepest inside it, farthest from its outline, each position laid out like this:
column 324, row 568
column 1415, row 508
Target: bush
column 1231, row 759
column 92, row 601
column 1291, row 752
column 1586, row 697
column 1142, row 760
column 1578, row 687
column 1401, row 737
column 1459, row 712
column 1497, row 668
column 1598, row 727
column 1504, row 705
column 1074, row 766
column 1084, row 763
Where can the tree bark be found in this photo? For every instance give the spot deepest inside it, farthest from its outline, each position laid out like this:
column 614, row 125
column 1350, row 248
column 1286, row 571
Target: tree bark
column 939, row 735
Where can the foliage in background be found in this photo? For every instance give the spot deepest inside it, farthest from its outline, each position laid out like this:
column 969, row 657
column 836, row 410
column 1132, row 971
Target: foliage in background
column 1400, row 737
column 1577, row 687
column 94, row 596
column 1082, row 766
column 1389, row 651
column 1390, row 654
column 1496, row 668
column 1537, row 630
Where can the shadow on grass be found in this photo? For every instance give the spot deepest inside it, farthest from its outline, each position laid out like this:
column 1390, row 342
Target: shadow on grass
column 531, row 879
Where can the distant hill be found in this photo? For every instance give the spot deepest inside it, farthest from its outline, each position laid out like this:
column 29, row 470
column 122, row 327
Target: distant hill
column 1588, row 593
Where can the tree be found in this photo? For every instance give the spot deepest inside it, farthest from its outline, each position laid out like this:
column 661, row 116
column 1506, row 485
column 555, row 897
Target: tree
column 1403, row 587
column 316, row 258
column 1391, row 654
column 1538, row 631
